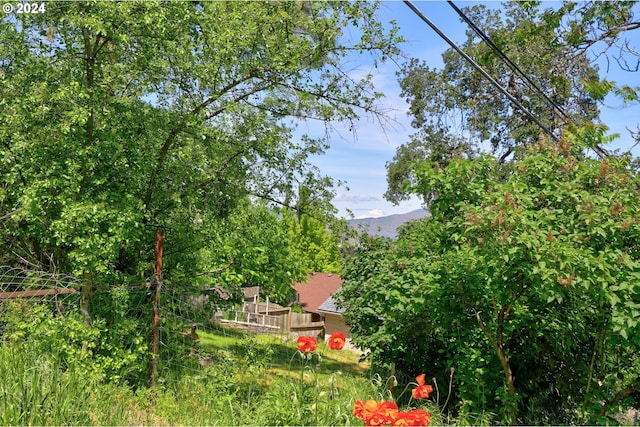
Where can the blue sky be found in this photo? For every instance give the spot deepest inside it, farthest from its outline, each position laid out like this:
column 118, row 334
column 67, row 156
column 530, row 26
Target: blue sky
column 359, row 158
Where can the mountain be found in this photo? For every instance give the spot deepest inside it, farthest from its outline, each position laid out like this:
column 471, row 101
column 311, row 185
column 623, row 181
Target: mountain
column 386, row 225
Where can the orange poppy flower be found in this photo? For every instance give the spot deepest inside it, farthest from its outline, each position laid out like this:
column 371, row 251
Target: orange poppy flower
column 337, row 341
column 403, row 419
column 385, row 415
column 376, row 413
column 417, row 417
column 306, row 344
column 422, row 391
column 365, row 410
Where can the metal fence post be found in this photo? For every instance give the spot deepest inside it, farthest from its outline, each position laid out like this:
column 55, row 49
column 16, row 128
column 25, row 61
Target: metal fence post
column 155, row 327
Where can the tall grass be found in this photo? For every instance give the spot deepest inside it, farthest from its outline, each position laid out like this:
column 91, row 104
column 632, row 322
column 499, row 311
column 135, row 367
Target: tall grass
column 34, row 390
column 261, row 380
column 251, row 380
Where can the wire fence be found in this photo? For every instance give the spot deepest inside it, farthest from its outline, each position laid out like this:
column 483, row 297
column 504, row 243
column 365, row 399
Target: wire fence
column 37, row 287
column 193, row 315
column 196, row 327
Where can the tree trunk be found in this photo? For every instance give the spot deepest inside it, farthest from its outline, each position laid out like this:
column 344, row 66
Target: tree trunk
column 504, row 362
column 85, row 297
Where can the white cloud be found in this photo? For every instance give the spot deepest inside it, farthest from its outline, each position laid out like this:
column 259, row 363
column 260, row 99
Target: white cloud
column 373, row 213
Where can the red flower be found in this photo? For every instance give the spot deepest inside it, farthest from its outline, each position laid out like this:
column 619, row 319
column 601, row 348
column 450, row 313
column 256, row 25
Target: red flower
column 376, row 413
column 365, row 410
column 384, row 416
column 422, row 391
column 337, row 341
column 404, row 419
column 358, row 408
column 306, row 344
column 417, row 417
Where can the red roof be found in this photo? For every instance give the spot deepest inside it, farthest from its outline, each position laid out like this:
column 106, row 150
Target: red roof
column 319, row 287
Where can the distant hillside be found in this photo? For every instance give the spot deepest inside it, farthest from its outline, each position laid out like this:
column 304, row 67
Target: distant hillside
column 386, row 225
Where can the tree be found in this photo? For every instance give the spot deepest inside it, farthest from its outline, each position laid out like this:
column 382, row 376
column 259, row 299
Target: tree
column 429, row 143
column 251, row 247
column 119, row 118
column 524, row 281
column 600, row 28
column 314, row 240
column 555, row 49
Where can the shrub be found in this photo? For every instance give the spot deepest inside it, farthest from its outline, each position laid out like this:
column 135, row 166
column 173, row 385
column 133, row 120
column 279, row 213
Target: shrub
column 524, row 280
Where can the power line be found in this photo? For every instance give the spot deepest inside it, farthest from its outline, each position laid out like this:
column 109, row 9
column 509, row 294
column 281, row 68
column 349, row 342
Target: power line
column 481, row 70
column 506, row 59
column 599, row 150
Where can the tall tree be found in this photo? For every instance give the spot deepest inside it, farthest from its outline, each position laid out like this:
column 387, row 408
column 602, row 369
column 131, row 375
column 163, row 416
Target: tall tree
column 315, row 243
column 118, row 118
column 554, row 50
column 251, row 247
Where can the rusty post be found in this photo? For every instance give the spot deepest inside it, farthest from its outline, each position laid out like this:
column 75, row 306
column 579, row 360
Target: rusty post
column 155, row 328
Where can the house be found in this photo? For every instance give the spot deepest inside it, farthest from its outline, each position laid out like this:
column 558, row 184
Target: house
column 332, row 316
column 314, row 296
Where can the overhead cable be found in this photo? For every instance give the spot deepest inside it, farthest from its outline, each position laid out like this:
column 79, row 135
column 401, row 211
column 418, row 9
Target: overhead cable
column 599, row 150
column 486, row 38
column 481, row 70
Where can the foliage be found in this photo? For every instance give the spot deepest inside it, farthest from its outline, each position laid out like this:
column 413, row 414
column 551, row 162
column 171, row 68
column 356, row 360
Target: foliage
column 120, row 118
column 121, row 325
column 556, row 48
column 113, row 348
column 250, row 380
column 314, row 242
column 251, row 247
column 257, row 245
column 599, row 27
column 42, row 385
column 524, row 282
column 429, row 143
column 69, row 340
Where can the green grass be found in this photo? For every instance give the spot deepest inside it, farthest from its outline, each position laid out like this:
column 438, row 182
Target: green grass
column 59, row 371
column 250, row 380
column 263, row 380
column 35, row 391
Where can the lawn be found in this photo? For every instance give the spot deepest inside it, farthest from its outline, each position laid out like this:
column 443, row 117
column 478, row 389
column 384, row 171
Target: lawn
column 235, row 378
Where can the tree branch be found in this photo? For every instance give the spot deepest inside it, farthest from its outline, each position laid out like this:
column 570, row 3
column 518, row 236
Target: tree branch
column 287, row 205
column 504, row 361
column 631, row 388
column 173, row 134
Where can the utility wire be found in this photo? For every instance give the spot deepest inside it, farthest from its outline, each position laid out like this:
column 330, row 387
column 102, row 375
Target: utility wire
column 599, row 150
column 506, row 59
column 481, row 70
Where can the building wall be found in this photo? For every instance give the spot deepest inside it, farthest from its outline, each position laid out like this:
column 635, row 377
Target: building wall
column 335, row 323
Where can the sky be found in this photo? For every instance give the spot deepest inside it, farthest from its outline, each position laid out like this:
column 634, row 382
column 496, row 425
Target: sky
column 359, row 158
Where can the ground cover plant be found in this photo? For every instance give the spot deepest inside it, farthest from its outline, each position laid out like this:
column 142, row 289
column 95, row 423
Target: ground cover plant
column 248, row 379
column 265, row 380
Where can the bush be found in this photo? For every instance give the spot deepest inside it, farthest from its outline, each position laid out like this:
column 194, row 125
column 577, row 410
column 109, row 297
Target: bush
column 524, row 280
